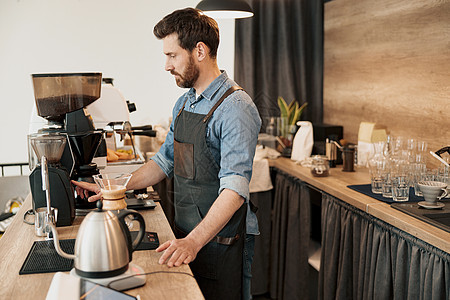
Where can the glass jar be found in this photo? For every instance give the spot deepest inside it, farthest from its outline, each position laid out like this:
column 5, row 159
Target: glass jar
column 320, row 166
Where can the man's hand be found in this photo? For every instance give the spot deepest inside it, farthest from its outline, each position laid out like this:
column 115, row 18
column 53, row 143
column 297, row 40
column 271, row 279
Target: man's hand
column 178, row 252
column 83, row 188
column 183, row 251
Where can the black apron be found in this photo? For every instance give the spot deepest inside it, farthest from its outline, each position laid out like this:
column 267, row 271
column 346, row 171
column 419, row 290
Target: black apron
column 218, row 265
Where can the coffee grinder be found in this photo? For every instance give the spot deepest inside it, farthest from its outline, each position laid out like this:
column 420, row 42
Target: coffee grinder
column 61, row 99
column 51, row 147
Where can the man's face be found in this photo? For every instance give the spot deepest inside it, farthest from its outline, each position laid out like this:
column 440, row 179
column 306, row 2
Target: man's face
column 180, row 62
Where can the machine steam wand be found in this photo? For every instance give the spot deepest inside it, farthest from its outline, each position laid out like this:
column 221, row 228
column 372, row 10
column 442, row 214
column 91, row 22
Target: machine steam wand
column 50, row 216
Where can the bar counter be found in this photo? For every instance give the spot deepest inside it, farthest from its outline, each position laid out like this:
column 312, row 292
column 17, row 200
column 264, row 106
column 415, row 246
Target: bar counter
column 19, row 237
column 336, row 185
column 322, row 240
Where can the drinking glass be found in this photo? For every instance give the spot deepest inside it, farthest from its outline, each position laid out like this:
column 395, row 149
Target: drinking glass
column 444, row 176
column 411, row 144
column 376, row 181
column 398, row 145
column 430, row 175
column 416, row 175
column 377, row 163
column 443, row 170
column 421, row 157
column 400, row 187
column 422, row 146
column 386, row 184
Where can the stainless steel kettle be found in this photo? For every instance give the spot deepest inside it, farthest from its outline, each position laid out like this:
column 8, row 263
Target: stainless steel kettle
column 103, row 247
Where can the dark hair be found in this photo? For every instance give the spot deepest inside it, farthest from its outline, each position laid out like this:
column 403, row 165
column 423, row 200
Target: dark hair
column 192, row 26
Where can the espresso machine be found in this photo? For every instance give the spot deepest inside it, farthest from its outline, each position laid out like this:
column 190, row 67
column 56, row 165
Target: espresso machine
column 61, row 99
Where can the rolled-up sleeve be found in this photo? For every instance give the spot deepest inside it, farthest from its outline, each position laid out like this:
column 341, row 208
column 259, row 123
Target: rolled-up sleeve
column 236, row 183
column 165, row 164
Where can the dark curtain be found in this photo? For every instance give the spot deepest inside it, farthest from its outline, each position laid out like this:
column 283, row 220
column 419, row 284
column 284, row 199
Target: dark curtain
column 290, row 234
column 279, row 52
column 365, row 258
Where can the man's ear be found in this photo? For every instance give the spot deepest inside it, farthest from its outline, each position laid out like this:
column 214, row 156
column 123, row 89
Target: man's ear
column 202, row 51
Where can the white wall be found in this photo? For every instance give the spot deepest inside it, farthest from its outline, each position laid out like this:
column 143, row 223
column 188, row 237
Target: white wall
column 114, row 37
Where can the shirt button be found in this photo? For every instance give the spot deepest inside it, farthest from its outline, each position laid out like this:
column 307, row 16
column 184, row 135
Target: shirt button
column 192, row 105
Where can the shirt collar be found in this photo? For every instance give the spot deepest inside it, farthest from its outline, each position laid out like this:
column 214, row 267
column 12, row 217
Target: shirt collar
column 213, row 87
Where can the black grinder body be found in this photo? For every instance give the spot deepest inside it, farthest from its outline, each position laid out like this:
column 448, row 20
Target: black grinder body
column 61, row 193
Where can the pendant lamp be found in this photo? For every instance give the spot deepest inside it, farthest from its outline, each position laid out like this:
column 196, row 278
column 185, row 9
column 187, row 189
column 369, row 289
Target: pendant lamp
column 225, row 9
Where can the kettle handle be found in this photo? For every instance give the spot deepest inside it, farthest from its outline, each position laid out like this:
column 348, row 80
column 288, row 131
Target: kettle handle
column 136, row 217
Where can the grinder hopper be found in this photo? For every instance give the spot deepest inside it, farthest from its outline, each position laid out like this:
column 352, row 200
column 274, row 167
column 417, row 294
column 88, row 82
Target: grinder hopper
column 49, row 145
column 57, row 94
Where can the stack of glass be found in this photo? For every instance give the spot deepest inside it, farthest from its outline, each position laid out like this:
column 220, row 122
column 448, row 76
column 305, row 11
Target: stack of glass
column 398, row 164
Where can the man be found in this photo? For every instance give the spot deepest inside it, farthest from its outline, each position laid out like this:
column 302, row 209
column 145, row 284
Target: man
column 209, row 150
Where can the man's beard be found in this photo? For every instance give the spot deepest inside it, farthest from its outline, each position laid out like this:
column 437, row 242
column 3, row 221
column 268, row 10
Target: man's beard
column 189, row 77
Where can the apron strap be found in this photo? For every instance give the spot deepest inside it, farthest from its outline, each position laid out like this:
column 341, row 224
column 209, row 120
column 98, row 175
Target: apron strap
column 226, row 94
column 182, row 107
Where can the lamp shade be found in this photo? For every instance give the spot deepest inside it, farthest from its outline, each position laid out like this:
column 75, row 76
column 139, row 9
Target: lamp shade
column 225, row 9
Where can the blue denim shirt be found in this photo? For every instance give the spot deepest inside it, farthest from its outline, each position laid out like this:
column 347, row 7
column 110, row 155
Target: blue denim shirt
column 232, row 134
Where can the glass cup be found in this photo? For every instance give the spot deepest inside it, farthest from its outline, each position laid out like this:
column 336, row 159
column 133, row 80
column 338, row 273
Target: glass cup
column 443, row 170
column 376, row 181
column 421, row 146
column 444, row 176
column 430, row 175
column 400, row 187
column 415, row 172
column 421, row 157
column 386, row 184
column 398, row 145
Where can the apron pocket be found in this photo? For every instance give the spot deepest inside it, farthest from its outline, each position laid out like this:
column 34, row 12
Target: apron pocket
column 183, row 156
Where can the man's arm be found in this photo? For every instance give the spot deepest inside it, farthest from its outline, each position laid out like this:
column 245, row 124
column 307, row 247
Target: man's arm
column 149, row 174
column 183, row 251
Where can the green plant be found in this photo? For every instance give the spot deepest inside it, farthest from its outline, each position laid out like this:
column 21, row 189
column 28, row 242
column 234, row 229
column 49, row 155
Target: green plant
column 291, row 112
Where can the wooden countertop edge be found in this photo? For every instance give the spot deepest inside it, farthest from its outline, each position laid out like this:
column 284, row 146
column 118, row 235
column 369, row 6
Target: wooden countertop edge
column 18, row 238
column 417, row 228
column 383, row 211
column 330, row 184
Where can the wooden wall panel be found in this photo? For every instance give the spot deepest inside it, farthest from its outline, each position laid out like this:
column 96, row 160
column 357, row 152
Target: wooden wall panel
column 388, row 61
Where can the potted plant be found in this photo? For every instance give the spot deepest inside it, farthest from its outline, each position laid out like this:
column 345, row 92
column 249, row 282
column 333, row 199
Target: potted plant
column 289, row 114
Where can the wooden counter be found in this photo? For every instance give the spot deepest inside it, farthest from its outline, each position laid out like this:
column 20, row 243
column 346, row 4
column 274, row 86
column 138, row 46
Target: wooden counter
column 336, row 185
column 19, row 237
